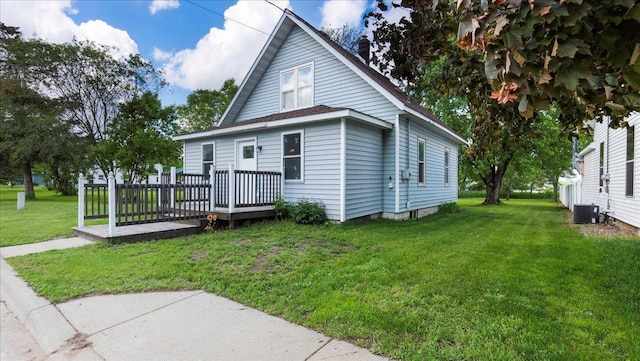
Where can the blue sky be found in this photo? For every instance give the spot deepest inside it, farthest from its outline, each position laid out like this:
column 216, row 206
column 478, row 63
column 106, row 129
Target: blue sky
column 194, row 46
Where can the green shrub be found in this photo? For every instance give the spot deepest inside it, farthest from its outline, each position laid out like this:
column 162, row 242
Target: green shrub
column 308, row 211
column 449, row 208
column 281, row 208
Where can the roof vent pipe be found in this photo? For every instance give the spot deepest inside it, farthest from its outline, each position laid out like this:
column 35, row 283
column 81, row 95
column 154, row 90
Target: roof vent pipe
column 363, row 48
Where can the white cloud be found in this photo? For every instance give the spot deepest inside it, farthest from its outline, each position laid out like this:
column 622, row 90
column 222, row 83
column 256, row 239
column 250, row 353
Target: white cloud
column 49, row 21
column 161, row 55
column 158, row 5
column 227, row 52
column 336, row 13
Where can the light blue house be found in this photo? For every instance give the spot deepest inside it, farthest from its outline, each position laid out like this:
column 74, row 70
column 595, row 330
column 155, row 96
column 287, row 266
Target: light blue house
column 339, row 131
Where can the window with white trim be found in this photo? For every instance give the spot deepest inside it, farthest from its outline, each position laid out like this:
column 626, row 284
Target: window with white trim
column 296, row 87
column 601, row 184
column 446, row 166
column 207, row 157
column 421, row 164
column 630, row 157
column 292, row 155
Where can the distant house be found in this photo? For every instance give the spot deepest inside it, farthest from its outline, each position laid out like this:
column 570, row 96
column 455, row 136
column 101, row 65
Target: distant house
column 610, row 173
column 337, row 130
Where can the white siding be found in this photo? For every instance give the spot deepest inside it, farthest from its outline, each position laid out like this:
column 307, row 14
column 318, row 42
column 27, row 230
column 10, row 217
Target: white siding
column 626, row 209
column 371, row 153
column 389, row 170
column 364, row 178
column 335, row 85
column 321, row 157
column 434, row 192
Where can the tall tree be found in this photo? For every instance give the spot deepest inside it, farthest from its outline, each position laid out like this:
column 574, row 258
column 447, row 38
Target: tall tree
column 426, row 38
column 31, row 129
column 140, row 136
column 204, row 107
column 539, row 51
column 553, row 151
column 89, row 78
column 346, row 36
column 29, row 126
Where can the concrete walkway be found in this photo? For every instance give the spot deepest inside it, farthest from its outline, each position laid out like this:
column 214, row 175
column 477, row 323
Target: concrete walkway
column 191, row 325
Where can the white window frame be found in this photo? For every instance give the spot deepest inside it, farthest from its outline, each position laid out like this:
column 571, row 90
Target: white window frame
column 447, row 166
column 295, row 70
column 423, row 161
column 202, row 161
column 301, row 155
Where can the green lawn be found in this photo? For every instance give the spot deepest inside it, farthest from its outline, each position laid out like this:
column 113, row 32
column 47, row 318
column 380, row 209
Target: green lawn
column 511, row 282
column 49, row 216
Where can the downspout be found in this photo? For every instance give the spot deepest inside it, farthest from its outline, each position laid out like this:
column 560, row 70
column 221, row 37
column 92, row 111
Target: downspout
column 397, row 161
column 607, row 176
column 343, row 168
column 408, row 204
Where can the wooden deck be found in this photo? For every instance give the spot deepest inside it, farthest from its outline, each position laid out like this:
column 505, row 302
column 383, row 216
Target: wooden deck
column 139, row 232
column 164, row 230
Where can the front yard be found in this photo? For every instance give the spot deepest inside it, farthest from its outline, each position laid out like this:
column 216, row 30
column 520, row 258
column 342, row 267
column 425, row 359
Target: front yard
column 49, row 216
column 513, row 282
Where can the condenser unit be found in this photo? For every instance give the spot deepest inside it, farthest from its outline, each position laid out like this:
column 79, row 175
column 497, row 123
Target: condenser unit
column 586, row 213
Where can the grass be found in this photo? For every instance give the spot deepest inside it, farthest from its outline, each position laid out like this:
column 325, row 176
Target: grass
column 510, row 282
column 49, row 216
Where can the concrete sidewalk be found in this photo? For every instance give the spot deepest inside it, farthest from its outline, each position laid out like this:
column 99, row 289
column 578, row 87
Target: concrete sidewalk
column 191, row 325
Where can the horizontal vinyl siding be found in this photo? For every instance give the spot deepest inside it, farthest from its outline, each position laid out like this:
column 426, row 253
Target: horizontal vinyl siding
column 321, row 160
column 389, row 170
column 626, row 209
column 321, row 168
column 193, row 156
column 591, row 179
column 364, row 177
column 434, row 192
column 405, row 164
column 335, row 84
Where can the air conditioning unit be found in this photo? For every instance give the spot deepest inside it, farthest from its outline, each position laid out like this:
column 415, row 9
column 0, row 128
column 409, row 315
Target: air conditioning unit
column 586, row 213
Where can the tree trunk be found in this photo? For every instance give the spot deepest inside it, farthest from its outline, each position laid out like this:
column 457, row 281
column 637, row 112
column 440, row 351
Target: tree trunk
column 493, row 182
column 555, row 191
column 508, row 191
column 28, row 182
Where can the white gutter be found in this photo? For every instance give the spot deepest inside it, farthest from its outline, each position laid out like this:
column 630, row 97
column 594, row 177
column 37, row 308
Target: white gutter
column 344, row 113
column 434, row 123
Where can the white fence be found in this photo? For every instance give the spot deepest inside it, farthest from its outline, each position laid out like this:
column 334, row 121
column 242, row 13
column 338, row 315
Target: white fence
column 571, row 194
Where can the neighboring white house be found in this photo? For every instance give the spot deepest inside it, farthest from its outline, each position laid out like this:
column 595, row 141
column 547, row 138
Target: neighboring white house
column 96, row 176
column 610, row 173
column 338, row 130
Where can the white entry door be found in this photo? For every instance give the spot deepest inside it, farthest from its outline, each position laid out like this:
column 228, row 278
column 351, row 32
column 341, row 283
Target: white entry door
column 246, row 161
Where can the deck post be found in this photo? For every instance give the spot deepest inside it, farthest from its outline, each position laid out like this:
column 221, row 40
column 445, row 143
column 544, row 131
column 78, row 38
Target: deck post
column 81, row 181
column 160, row 170
column 282, row 184
column 111, row 179
column 212, row 183
column 232, row 188
column 172, row 181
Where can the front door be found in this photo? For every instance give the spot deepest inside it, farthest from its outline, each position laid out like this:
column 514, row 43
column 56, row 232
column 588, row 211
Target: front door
column 246, row 181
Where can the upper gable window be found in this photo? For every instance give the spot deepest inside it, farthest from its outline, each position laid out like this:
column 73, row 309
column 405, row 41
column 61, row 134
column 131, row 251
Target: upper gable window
column 296, row 87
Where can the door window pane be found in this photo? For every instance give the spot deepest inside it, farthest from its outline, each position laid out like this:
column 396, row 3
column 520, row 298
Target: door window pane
column 248, row 152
